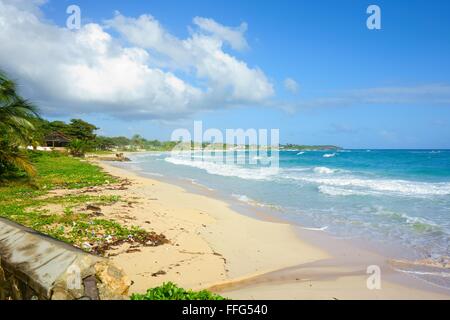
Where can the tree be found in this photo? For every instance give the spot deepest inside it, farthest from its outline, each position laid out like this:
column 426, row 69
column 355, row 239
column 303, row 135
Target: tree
column 56, row 126
column 104, row 143
column 121, row 141
column 82, row 130
column 78, row 148
column 138, row 141
column 16, row 127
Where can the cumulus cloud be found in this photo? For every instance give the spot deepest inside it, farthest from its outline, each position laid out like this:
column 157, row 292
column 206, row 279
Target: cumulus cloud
column 142, row 73
column 227, row 77
column 233, row 36
column 291, row 85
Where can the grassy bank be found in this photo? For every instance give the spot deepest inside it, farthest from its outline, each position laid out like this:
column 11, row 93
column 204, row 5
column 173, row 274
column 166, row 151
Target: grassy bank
column 61, row 202
column 28, row 203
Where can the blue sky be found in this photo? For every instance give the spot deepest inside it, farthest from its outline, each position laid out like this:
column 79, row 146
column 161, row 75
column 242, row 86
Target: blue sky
column 357, row 88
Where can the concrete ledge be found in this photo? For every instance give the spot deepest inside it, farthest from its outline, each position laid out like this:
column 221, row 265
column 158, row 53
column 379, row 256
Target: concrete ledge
column 35, row 266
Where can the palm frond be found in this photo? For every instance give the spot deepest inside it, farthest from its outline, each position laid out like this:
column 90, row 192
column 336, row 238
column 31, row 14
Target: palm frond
column 19, row 160
column 16, row 125
column 18, row 108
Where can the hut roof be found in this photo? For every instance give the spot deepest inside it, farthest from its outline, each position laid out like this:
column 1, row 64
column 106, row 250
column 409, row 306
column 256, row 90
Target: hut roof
column 57, row 137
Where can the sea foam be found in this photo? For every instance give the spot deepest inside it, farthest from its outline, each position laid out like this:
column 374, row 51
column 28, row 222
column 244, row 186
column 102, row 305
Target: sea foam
column 228, row 170
column 385, row 186
column 323, row 170
column 329, row 155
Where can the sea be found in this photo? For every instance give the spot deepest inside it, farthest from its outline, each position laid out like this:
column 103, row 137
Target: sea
column 388, row 198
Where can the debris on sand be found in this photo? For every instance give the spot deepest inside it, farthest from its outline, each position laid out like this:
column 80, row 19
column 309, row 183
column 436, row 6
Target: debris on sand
column 91, row 207
column 133, row 250
column 146, row 239
column 159, row 273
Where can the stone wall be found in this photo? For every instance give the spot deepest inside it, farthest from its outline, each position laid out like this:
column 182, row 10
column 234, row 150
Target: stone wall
column 34, row 266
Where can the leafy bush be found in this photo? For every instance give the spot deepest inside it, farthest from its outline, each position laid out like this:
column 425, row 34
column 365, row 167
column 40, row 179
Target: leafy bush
column 78, row 148
column 170, row 291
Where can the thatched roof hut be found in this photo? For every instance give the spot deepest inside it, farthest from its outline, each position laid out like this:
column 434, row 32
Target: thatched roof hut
column 56, row 140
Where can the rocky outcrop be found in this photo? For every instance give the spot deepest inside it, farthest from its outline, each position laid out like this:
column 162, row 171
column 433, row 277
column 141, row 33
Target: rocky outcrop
column 118, row 157
column 34, row 266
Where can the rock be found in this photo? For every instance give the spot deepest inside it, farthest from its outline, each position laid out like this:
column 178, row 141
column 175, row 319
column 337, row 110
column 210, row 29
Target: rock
column 35, row 266
column 114, row 285
column 87, row 246
column 90, row 288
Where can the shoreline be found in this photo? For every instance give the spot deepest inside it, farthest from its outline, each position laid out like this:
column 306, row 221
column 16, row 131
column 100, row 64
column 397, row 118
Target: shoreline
column 244, row 257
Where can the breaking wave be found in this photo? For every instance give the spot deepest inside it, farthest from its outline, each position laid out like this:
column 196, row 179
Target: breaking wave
column 329, row 181
column 228, row 170
column 323, row 170
column 353, row 185
column 334, row 191
column 329, row 155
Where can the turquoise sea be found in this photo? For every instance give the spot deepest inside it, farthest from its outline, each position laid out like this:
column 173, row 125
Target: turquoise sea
column 391, row 198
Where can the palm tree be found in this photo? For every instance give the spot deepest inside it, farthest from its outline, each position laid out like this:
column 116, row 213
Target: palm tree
column 78, row 148
column 16, row 117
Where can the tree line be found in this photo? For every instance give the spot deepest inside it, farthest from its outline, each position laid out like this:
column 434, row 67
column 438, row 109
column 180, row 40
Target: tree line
column 22, row 126
column 83, row 133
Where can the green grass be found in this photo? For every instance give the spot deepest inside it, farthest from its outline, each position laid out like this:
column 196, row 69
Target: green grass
column 170, row 291
column 56, row 170
column 25, row 202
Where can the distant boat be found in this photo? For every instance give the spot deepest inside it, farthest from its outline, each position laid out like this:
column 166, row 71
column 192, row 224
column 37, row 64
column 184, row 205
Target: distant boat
column 300, row 153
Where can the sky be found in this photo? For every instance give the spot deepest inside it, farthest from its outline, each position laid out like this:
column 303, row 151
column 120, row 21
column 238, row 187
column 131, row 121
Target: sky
column 311, row 69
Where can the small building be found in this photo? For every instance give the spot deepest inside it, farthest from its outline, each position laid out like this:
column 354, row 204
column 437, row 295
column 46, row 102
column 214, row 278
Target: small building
column 56, row 140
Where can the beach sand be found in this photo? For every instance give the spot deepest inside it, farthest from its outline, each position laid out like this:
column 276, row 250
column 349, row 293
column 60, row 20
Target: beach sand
column 214, row 247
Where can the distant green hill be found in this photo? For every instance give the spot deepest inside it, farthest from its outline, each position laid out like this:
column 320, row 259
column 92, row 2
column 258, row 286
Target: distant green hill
column 305, row 147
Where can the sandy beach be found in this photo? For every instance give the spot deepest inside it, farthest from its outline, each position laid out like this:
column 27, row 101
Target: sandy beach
column 212, row 246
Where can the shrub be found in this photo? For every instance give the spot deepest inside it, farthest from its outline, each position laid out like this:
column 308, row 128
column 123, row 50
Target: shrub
column 78, row 148
column 170, row 291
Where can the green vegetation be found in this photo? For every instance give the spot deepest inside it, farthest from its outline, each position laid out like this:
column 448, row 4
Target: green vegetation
column 78, row 148
column 76, row 129
column 170, row 291
column 16, row 124
column 136, row 143
column 305, row 147
column 56, row 171
column 69, row 221
column 83, row 138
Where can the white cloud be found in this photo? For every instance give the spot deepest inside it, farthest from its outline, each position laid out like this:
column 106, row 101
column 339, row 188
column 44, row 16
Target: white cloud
column 234, row 36
column 227, row 78
column 291, row 85
column 142, row 75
